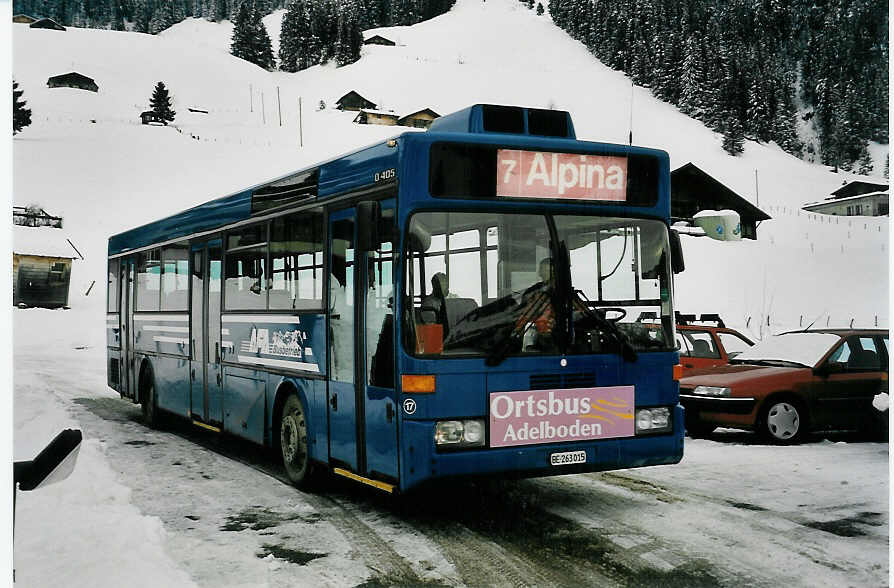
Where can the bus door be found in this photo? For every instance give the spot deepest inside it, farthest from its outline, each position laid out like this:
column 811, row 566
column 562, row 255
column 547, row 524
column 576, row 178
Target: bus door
column 362, row 405
column 125, row 309
column 205, row 374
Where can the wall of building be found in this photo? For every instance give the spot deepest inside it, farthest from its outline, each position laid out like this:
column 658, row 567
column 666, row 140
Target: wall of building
column 40, row 281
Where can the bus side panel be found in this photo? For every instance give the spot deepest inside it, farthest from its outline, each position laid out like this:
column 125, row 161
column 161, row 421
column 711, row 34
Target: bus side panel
column 312, row 392
column 113, row 370
column 244, row 403
column 172, row 383
column 652, row 375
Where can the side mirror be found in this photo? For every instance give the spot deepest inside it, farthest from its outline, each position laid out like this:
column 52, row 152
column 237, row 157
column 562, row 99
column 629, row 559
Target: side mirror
column 53, row 464
column 369, row 216
column 829, row 368
column 676, row 250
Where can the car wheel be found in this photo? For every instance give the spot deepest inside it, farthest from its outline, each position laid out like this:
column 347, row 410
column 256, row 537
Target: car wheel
column 293, row 441
column 783, row 421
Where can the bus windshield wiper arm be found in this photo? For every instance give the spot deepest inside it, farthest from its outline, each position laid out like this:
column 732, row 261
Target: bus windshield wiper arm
column 535, row 307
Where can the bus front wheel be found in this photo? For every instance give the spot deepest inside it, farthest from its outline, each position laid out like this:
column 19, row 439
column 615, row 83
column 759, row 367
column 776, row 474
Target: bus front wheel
column 293, row 441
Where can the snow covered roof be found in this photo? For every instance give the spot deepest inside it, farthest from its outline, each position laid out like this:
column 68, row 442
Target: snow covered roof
column 44, row 241
column 845, row 199
column 804, row 348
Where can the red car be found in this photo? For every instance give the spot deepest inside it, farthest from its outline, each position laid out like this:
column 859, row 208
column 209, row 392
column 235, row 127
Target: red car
column 786, row 386
column 704, row 346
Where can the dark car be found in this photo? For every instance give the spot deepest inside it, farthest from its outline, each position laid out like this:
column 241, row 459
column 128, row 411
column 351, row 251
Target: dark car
column 787, row 386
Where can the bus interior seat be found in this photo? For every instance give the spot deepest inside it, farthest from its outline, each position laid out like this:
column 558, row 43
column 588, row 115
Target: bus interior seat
column 456, row 309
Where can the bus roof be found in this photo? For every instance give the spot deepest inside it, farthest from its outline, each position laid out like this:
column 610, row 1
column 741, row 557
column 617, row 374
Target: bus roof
column 345, row 173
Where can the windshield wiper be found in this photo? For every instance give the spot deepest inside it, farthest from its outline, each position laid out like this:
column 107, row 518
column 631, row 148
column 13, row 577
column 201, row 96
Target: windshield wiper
column 534, row 308
column 606, row 326
column 769, row 362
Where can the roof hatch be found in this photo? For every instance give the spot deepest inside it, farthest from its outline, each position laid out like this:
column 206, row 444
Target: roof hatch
column 515, row 120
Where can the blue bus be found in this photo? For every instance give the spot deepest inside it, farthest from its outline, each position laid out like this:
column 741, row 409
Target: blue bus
column 459, row 302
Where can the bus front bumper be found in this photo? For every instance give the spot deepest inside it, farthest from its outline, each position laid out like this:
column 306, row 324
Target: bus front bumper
column 423, row 463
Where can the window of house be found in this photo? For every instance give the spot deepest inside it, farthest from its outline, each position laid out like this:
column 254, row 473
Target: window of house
column 296, row 261
column 175, row 278
column 148, row 280
column 245, row 272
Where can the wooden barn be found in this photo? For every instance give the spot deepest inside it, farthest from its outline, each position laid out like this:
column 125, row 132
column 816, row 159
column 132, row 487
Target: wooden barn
column 149, row 116
column 693, row 190
column 375, row 117
column 23, row 19
column 421, row 119
column 379, row 40
column 41, row 267
column 354, row 101
column 73, row 80
column 47, row 23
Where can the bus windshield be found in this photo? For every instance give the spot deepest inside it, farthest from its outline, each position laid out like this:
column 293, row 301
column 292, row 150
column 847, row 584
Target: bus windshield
column 489, row 284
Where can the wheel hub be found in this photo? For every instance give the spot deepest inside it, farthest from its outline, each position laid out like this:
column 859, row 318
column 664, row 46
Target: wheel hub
column 783, row 421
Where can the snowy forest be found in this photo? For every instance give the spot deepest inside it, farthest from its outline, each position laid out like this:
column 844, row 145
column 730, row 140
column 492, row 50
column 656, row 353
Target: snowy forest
column 751, row 68
column 757, row 69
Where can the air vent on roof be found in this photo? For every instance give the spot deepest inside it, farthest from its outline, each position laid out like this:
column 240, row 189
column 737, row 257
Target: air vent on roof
column 287, row 191
column 516, row 120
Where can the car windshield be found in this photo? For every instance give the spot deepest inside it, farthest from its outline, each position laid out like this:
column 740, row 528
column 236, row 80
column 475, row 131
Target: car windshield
column 805, row 349
column 499, row 284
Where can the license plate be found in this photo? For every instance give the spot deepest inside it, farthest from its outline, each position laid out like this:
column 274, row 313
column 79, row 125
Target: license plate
column 567, row 458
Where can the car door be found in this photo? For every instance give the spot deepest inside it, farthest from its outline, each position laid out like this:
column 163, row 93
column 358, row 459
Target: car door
column 847, row 382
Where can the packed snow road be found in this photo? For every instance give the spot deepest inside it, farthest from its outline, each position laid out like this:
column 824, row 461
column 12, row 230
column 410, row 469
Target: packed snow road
column 182, row 507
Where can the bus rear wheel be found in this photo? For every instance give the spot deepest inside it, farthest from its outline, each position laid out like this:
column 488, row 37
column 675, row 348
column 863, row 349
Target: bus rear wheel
column 149, row 404
column 293, row 441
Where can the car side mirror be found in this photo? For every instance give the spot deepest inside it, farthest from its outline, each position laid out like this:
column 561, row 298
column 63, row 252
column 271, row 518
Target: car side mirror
column 829, row 368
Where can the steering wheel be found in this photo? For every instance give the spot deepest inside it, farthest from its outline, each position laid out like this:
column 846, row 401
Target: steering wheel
column 621, row 314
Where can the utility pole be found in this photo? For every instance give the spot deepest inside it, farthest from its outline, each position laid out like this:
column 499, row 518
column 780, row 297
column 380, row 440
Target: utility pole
column 630, row 135
column 251, row 99
column 278, row 106
column 263, row 110
column 300, row 124
column 757, row 200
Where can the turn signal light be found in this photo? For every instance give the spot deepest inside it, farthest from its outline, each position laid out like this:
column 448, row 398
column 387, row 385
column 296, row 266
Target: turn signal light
column 678, row 372
column 411, row 384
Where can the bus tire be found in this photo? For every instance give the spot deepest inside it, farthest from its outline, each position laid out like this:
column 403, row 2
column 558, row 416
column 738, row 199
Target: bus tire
column 293, row 442
column 149, row 401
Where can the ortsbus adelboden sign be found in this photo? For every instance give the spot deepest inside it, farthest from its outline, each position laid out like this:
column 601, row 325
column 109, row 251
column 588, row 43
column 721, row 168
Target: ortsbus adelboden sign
column 553, row 416
column 539, row 174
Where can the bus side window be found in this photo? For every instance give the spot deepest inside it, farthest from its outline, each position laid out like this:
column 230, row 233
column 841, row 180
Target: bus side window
column 380, row 307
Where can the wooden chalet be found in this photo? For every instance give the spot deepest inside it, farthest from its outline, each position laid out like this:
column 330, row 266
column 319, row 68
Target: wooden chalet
column 857, row 198
column 375, row 117
column 379, row 40
column 23, row 19
column 421, row 119
column 354, row 101
column 73, row 80
column 41, row 266
column 150, row 116
column 693, row 190
column 47, row 23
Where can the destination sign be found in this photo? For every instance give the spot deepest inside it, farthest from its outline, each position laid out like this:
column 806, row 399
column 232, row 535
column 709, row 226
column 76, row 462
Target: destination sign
column 573, row 176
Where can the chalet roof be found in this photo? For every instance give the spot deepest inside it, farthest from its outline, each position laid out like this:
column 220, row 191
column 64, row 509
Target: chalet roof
column 353, row 94
column 859, row 187
column 23, row 18
column 423, row 111
column 378, row 39
column 833, row 201
column 42, row 241
column 72, row 76
column 46, row 23
column 692, row 174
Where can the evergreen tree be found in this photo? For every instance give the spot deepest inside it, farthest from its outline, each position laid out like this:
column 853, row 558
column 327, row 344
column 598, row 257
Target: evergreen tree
column 864, row 164
column 241, row 42
column 539, row 9
column 21, row 116
column 733, row 135
column 161, row 103
column 290, row 37
column 262, row 49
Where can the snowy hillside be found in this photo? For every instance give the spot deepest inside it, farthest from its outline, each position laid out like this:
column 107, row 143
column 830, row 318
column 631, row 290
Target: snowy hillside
column 87, row 158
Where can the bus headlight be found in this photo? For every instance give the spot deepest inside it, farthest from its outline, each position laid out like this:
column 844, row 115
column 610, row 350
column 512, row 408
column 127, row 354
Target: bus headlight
column 468, row 433
column 653, row 420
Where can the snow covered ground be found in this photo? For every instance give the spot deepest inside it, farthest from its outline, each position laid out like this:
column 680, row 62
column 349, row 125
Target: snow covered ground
column 87, row 158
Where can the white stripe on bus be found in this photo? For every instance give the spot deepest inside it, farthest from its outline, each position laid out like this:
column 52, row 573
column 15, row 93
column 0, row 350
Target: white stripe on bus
column 227, row 344
column 261, row 318
column 163, row 339
column 225, row 331
column 294, row 365
column 165, row 328
column 161, row 317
